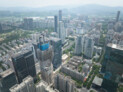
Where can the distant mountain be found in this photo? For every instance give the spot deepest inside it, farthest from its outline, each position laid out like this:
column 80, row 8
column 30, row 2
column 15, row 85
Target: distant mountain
column 100, row 9
column 81, row 9
column 45, row 8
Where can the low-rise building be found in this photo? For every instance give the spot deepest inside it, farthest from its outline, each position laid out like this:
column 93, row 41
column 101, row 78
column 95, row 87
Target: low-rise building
column 97, row 82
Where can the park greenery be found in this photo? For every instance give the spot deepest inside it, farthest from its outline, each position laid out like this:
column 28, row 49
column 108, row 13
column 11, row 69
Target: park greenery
column 93, row 73
column 15, row 35
column 19, row 33
column 69, row 49
column 44, row 29
column 120, row 88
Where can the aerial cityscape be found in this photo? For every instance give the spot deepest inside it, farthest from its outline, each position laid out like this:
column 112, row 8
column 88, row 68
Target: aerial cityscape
column 61, row 46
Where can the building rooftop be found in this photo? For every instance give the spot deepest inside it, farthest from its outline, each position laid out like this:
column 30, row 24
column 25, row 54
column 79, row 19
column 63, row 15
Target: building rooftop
column 88, row 61
column 14, row 88
column 65, row 77
column 46, row 86
column 20, row 53
column 115, row 46
column 27, row 79
column 64, row 56
column 86, row 66
column 97, row 81
column 54, row 39
column 6, row 73
column 22, row 84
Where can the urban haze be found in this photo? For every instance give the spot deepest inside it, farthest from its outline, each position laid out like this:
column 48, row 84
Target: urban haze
column 61, row 45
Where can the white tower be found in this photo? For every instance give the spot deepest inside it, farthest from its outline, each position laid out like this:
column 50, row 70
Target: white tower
column 79, row 45
column 61, row 31
column 89, row 47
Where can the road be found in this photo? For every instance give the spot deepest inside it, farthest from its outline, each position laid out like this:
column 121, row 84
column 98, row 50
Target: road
column 67, row 47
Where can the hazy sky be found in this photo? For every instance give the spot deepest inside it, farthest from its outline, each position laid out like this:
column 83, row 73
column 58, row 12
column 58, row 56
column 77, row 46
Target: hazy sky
column 40, row 3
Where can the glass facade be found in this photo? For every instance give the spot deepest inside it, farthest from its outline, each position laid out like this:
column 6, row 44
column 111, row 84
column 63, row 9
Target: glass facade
column 57, row 47
column 7, row 82
column 24, row 65
column 113, row 62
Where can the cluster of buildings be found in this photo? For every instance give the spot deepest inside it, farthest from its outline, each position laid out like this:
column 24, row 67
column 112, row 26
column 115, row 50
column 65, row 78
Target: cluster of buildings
column 40, row 55
column 74, row 70
column 28, row 86
column 71, row 68
column 88, row 43
column 28, row 23
column 22, row 61
column 112, row 65
column 46, row 52
column 7, row 49
column 59, row 27
column 31, row 23
column 7, row 25
column 84, row 45
column 63, row 83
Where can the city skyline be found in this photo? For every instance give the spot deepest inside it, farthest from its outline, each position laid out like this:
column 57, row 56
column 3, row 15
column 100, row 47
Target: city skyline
column 57, row 46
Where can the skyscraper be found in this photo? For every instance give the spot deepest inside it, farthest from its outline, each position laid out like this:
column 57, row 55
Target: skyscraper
column 60, row 15
column 89, row 47
column 26, row 86
column 57, row 48
column 1, row 28
column 61, row 31
column 23, row 64
column 118, row 15
column 79, row 45
column 55, row 23
column 7, row 80
column 45, row 55
column 113, row 62
column 28, row 23
column 112, row 67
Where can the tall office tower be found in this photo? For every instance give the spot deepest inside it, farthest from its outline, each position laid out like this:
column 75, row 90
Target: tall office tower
column 112, row 67
column 118, row 15
column 26, row 86
column 45, row 55
column 113, row 62
column 57, row 47
column 89, row 47
column 55, row 23
column 60, row 15
column 61, row 31
column 7, row 80
column 1, row 28
column 63, row 84
column 28, row 23
column 79, row 45
column 23, row 64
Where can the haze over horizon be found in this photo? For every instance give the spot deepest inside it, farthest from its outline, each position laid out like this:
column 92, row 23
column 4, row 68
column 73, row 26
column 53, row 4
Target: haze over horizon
column 43, row 3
